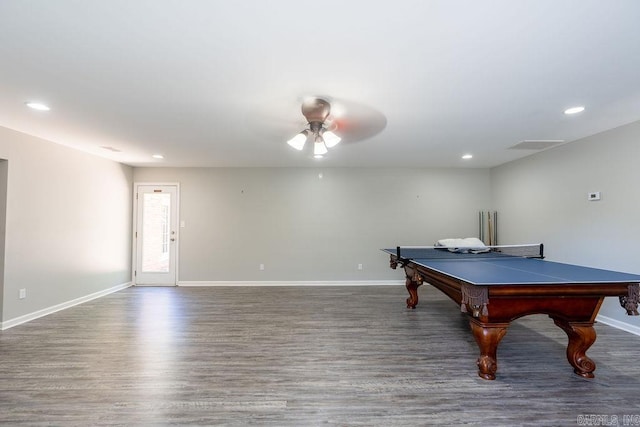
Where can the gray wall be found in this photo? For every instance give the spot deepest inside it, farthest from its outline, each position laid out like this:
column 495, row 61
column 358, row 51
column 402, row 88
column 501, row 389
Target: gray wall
column 303, row 228
column 544, row 198
column 68, row 224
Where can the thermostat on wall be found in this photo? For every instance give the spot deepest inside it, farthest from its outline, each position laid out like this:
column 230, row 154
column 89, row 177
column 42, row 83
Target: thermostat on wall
column 594, row 195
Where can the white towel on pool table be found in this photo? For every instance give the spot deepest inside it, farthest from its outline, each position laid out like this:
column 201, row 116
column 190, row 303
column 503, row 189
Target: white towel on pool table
column 468, row 244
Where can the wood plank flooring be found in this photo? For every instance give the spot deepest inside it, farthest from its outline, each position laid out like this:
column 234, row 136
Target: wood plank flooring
column 298, row 356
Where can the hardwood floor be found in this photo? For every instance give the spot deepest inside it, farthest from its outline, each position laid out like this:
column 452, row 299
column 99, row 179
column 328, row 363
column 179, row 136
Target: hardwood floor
column 298, row 356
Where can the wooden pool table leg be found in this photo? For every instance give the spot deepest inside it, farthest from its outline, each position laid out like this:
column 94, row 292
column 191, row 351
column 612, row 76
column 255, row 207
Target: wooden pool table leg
column 413, row 282
column 488, row 337
column 581, row 336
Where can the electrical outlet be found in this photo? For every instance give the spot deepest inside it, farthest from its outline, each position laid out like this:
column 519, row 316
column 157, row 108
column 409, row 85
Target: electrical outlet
column 23, row 293
column 359, row 266
column 594, row 195
column 261, row 267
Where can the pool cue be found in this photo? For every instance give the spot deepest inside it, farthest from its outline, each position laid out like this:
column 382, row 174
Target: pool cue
column 490, row 228
column 495, row 227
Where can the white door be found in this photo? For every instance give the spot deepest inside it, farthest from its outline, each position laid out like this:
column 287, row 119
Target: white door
column 156, row 234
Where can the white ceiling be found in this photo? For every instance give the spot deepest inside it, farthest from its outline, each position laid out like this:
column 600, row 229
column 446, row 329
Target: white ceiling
column 220, row 82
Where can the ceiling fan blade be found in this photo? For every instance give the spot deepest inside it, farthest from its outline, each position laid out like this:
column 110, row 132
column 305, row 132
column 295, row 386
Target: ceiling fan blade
column 355, row 122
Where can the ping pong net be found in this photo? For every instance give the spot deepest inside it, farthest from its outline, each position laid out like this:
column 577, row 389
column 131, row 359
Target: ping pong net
column 406, row 253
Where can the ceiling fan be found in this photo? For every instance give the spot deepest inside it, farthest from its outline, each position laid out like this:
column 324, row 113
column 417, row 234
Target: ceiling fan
column 349, row 122
column 316, row 111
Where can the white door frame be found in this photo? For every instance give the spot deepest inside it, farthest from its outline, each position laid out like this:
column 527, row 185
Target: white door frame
column 134, row 246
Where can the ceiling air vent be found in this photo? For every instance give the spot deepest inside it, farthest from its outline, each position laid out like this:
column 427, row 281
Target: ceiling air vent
column 536, row 144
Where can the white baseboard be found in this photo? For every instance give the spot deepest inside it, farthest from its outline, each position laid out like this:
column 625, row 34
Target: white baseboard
column 293, row 283
column 49, row 310
column 618, row 324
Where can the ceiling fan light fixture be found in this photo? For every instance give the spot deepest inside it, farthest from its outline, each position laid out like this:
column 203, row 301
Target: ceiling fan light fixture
column 319, row 149
column 298, row 141
column 316, row 111
column 330, row 139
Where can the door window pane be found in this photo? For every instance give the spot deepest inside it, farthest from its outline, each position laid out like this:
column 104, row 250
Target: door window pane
column 155, row 232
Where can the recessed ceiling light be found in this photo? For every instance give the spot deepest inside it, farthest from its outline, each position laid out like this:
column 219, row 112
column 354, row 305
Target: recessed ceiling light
column 467, row 156
column 157, row 156
column 37, row 106
column 574, row 110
